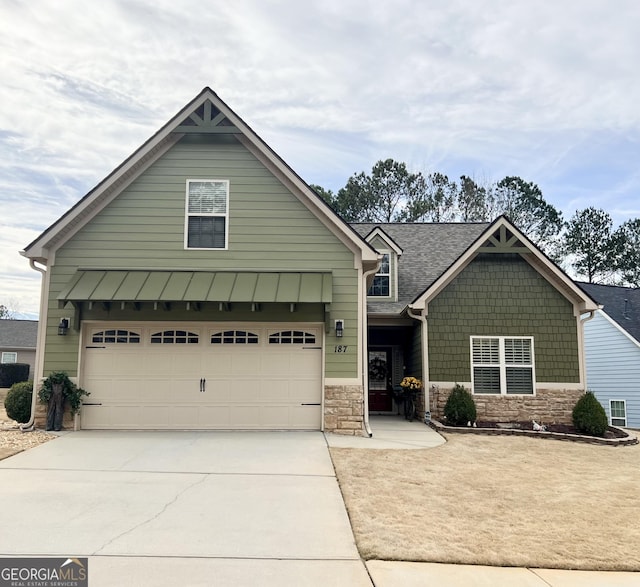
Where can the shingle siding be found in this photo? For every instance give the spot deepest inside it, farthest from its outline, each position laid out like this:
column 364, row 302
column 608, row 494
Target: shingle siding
column 502, row 295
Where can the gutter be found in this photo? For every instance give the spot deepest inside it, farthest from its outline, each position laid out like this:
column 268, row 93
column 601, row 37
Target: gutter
column 583, row 352
column 365, row 350
column 37, row 375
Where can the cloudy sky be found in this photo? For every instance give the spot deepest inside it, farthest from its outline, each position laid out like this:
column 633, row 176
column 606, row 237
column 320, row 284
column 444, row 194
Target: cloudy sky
column 548, row 91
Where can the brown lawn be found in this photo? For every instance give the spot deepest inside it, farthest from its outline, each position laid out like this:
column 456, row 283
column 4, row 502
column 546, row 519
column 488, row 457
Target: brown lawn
column 506, row 501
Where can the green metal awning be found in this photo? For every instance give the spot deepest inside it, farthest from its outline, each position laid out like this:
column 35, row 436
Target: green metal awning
column 197, row 286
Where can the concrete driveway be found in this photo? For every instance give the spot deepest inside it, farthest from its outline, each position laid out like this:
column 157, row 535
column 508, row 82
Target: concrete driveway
column 196, row 508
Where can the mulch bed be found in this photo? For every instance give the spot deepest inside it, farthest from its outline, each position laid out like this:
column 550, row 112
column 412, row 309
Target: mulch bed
column 561, row 428
column 613, row 436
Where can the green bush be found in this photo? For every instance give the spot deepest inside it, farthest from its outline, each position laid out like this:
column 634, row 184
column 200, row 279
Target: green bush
column 11, row 373
column 18, row 401
column 460, row 407
column 589, row 416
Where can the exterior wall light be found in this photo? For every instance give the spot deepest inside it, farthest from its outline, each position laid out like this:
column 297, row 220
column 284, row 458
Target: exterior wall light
column 339, row 328
column 63, row 327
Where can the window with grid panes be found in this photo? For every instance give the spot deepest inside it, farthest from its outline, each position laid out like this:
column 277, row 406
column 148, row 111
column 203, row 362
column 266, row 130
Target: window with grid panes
column 502, row 365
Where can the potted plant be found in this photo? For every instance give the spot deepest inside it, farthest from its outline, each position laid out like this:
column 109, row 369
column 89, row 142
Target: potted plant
column 56, row 390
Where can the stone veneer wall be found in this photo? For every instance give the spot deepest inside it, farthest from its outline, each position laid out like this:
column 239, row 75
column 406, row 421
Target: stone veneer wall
column 547, row 406
column 344, row 409
column 41, row 417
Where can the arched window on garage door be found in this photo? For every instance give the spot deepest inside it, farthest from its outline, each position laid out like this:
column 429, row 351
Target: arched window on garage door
column 116, row 337
column 234, row 337
column 174, row 337
column 292, row 337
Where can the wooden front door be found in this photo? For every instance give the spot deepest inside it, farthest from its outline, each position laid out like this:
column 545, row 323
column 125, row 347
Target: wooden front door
column 380, row 397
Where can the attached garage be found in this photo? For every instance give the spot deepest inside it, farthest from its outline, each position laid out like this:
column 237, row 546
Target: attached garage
column 199, row 375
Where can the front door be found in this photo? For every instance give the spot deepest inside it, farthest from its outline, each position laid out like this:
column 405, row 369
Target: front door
column 380, row 397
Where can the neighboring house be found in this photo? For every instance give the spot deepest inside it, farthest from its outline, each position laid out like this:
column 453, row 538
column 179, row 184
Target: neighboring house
column 18, row 342
column 203, row 284
column 612, row 344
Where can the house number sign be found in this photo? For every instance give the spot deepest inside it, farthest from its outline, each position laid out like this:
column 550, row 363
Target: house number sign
column 340, row 348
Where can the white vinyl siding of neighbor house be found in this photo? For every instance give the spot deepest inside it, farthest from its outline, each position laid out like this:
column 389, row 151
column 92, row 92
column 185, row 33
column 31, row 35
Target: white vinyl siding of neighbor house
column 269, row 229
column 613, row 366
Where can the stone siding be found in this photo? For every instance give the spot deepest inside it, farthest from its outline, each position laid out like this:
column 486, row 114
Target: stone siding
column 41, row 417
column 344, row 409
column 549, row 406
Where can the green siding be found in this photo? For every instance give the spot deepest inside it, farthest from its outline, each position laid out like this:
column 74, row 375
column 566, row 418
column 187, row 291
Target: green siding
column 269, row 230
column 502, row 295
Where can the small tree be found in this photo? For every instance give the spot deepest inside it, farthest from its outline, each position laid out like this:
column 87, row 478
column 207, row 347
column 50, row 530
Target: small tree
column 460, row 407
column 589, row 415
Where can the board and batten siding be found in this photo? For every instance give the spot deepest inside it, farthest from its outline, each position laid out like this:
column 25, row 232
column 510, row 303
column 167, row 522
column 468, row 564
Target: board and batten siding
column 269, row 230
column 502, row 295
column 613, row 366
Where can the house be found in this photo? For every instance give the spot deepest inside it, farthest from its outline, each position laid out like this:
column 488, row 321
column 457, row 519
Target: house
column 204, row 285
column 18, row 342
column 612, row 345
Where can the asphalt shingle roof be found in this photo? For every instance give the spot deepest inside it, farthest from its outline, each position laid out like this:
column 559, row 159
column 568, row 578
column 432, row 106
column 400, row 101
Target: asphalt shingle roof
column 621, row 304
column 428, row 251
column 18, row 334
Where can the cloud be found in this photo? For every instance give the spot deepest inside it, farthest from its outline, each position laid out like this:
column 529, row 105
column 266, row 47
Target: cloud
column 547, row 91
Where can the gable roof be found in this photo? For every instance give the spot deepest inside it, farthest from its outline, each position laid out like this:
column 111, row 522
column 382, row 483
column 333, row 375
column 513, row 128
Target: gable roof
column 428, row 249
column 206, row 113
column 434, row 254
column 18, row 334
column 621, row 304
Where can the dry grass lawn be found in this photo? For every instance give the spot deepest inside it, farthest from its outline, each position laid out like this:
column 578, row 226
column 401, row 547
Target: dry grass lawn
column 506, row 501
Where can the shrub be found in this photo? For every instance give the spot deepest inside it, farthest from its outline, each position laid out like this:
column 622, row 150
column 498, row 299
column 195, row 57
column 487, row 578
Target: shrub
column 460, row 407
column 589, row 415
column 11, row 373
column 18, row 401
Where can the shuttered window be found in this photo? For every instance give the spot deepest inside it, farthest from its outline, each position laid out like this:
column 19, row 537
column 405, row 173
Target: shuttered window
column 206, row 225
column 502, row 365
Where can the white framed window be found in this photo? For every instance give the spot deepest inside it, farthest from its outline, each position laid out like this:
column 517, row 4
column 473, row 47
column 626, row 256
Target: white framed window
column 9, row 357
column 381, row 286
column 502, row 365
column 207, row 214
column 618, row 412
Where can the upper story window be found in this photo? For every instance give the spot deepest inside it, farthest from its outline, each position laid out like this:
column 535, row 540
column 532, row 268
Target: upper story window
column 381, row 286
column 207, row 214
column 502, row 365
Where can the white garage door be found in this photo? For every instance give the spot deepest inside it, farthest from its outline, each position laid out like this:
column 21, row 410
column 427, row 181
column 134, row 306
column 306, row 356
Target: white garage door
column 204, row 376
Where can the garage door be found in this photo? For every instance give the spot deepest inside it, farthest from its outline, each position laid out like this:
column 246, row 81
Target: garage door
column 209, row 376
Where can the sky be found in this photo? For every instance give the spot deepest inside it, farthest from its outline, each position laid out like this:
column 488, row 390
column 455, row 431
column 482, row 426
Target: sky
column 548, row 91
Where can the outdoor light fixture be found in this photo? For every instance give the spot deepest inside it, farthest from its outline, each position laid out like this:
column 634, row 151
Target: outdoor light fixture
column 339, row 328
column 63, row 327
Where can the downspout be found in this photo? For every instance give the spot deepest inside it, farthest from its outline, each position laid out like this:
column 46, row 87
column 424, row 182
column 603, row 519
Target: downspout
column 38, row 370
column 422, row 318
column 365, row 350
column 583, row 351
